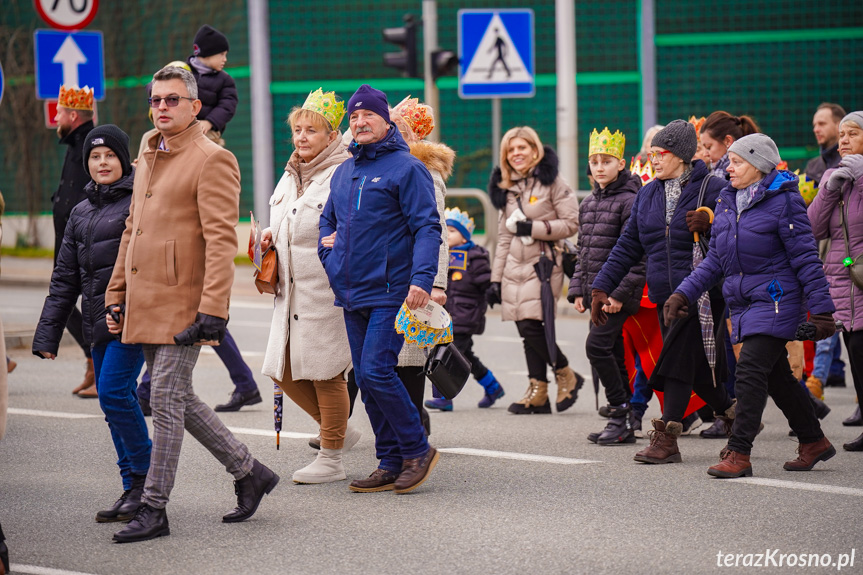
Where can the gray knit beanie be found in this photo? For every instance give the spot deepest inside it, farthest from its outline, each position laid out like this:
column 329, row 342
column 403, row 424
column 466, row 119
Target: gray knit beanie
column 759, row 150
column 679, row 138
column 856, row 117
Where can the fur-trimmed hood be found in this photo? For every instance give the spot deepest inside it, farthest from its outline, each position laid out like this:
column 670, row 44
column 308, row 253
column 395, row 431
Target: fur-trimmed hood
column 435, row 156
column 546, row 172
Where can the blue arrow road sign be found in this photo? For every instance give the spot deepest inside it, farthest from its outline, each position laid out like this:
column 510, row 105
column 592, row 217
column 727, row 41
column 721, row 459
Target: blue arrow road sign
column 72, row 59
column 496, row 53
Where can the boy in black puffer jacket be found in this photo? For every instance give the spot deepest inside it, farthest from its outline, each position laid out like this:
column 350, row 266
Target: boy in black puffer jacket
column 216, row 89
column 84, row 266
column 602, row 217
column 469, row 278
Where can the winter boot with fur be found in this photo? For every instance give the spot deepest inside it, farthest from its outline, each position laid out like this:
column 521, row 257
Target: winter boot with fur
column 733, row 464
column 663, row 443
column 619, row 429
column 535, row 399
column 568, row 384
column 326, row 468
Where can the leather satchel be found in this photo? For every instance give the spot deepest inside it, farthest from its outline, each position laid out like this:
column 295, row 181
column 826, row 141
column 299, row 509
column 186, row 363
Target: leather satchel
column 267, row 279
column 447, row 369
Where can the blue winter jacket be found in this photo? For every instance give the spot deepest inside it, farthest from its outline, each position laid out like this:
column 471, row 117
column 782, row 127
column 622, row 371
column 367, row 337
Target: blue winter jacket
column 768, row 256
column 382, row 204
column 668, row 247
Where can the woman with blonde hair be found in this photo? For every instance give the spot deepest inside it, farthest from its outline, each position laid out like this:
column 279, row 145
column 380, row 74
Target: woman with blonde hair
column 538, row 210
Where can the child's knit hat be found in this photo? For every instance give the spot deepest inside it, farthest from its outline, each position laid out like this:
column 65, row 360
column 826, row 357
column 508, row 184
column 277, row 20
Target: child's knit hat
column 460, row 221
column 209, row 41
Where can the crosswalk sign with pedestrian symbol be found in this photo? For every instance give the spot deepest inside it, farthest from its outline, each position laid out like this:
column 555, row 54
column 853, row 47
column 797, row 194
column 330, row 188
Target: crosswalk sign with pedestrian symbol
column 496, row 53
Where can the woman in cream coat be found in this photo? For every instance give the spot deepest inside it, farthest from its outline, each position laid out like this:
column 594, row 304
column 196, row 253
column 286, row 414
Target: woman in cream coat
column 307, row 351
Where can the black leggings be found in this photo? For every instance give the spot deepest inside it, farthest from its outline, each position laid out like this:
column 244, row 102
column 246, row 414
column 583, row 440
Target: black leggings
column 854, row 345
column 536, row 350
column 604, row 349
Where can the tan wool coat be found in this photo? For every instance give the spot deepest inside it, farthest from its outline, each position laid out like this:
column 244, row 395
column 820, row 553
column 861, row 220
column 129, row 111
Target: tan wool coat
column 176, row 256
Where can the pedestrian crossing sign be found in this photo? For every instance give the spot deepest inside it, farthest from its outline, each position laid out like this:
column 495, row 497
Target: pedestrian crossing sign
column 496, row 53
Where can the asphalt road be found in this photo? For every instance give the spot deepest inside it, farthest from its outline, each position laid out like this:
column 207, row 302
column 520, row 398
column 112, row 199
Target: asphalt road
column 511, row 494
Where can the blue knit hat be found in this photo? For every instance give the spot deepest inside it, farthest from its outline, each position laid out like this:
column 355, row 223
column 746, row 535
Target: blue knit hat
column 367, row 98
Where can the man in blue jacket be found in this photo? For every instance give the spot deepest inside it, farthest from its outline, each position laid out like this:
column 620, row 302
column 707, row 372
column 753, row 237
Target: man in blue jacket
column 380, row 238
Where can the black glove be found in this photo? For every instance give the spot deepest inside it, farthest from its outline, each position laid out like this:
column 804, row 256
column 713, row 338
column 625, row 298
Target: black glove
column 824, row 324
column 524, row 228
column 698, row 222
column 676, row 307
column 492, row 294
column 805, row 331
column 115, row 315
column 598, row 298
column 205, row 328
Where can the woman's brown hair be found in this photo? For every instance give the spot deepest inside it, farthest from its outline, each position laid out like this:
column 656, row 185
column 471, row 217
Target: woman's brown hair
column 720, row 124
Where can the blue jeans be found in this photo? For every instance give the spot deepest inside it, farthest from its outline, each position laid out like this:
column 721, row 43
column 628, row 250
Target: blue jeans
column 827, row 360
column 116, row 366
column 375, row 347
column 641, row 391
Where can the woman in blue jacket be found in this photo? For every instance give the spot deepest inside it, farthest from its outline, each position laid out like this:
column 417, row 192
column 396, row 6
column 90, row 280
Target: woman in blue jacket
column 763, row 245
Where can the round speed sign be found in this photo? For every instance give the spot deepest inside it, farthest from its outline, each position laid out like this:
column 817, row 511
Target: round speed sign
column 67, row 14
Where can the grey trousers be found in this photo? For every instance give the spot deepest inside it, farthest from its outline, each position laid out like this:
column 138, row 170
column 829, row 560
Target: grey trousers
column 175, row 407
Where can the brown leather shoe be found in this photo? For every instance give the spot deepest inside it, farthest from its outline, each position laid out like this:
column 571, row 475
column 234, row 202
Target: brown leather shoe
column 89, row 379
column 415, row 471
column 663, row 443
column 379, row 480
column 808, row 454
column 733, row 464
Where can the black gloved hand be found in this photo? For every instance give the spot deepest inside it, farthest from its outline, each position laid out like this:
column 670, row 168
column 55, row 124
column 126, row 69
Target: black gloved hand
column 115, row 315
column 598, row 298
column 825, row 326
column 492, row 294
column 805, row 331
column 676, row 307
column 698, row 222
column 205, row 328
column 524, row 228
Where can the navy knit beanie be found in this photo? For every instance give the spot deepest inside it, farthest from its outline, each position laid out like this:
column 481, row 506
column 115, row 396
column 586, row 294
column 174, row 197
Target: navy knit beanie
column 113, row 137
column 209, row 41
column 679, row 138
column 367, row 98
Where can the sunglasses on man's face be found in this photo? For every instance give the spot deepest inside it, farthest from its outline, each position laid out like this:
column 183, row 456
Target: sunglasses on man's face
column 170, row 101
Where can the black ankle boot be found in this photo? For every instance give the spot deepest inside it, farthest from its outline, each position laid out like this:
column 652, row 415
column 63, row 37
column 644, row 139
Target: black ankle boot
column 250, row 490
column 856, row 419
column 856, row 445
column 619, row 429
column 125, row 507
column 147, row 524
column 821, row 408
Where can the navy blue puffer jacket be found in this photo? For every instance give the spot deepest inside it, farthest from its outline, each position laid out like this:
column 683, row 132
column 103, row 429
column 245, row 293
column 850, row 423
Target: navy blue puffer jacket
column 469, row 278
column 768, row 256
column 218, row 94
column 85, row 263
column 668, row 247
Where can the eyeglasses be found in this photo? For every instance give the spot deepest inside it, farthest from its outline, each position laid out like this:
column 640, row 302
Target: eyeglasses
column 654, row 156
column 170, row 101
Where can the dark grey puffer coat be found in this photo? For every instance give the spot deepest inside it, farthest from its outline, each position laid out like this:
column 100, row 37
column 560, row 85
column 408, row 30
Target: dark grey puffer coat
column 602, row 217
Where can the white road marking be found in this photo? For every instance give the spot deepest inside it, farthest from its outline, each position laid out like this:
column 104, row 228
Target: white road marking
column 271, row 433
column 58, row 414
column 36, row 570
column 800, row 485
column 516, row 456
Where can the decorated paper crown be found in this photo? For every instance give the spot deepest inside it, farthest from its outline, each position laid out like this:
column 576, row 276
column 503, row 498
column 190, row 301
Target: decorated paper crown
column 76, row 99
column 644, row 170
column 419, row 117
column 606, row 143
column 461, row 218
column 697, row 123
column 425, row 326
column 327, row 106
column 807, row 187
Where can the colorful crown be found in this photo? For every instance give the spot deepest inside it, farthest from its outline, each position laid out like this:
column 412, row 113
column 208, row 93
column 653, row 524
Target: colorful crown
column 419, row 117
column 697, row 123
column 606, row 143
column 807, row 187
column 327, row 106
column 460, row 217
column 76, row 99
column 644, row 170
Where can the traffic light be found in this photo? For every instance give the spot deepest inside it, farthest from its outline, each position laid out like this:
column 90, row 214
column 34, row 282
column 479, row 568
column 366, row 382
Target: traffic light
column 406, row 38
column 443, row 63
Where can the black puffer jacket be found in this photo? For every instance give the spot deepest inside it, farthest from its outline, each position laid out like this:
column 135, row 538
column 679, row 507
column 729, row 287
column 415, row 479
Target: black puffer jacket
column 218, row 94
column 85, row 263
column 70, row 192
column 602, row 217
column 469, row 278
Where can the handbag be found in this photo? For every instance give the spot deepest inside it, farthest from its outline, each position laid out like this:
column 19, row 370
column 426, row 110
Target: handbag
column 267, row 278
column 447, row 369
column 853, row 265
column 569, row 258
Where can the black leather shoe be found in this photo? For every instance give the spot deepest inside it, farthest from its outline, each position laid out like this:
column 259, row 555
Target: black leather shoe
column 856, row 445
column 821, row 408
column 719, row 430
column 147, row 524
column 239, row 399
column 856, row 419
column 835, row 381
column 250, row 490
column 124, row 508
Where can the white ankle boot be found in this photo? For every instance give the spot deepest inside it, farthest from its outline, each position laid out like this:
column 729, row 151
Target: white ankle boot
column 326, row 468
column 352, row 435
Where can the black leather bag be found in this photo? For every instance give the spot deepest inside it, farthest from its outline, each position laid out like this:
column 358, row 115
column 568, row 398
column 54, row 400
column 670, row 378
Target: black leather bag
column 447, row 369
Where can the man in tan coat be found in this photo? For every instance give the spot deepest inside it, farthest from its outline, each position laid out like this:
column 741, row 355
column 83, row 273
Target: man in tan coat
column 171, row 289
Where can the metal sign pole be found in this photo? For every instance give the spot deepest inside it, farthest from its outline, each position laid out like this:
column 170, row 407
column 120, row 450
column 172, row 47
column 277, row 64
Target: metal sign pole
column 567, row 100
column 262, row 108
column 432, row 96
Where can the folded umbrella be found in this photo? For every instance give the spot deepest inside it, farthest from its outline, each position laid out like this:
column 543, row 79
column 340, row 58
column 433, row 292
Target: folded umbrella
column 277, row 410
column 544, row 268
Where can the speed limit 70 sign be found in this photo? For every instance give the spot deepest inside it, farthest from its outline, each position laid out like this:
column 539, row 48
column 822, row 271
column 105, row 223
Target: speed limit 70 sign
column 67, row 14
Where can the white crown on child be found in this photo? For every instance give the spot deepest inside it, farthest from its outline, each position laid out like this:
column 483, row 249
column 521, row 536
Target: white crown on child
column 461, row 217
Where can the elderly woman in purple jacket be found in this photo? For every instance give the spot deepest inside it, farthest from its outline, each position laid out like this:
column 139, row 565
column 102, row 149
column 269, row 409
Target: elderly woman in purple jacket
column 763, row 245
column 839, row 200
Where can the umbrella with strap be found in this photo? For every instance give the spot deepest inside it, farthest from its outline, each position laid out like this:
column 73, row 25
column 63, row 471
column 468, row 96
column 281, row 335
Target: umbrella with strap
column 544, row 268
column 277, row 410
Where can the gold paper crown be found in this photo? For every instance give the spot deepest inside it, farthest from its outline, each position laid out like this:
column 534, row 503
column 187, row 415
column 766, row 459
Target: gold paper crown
column 606, row 143
column 76, row 99
column 418, row 116
column 644, row 171
column 327, row 106
column 807, row 187
column 697, row 123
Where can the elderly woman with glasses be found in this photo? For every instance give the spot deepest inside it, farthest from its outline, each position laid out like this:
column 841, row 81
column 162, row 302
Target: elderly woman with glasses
column 663, row 225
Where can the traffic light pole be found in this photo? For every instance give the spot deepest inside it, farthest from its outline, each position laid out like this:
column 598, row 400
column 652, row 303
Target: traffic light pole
column 431, row 95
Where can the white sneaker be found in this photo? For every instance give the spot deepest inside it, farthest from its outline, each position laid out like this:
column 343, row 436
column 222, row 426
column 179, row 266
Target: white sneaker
column 326, row 468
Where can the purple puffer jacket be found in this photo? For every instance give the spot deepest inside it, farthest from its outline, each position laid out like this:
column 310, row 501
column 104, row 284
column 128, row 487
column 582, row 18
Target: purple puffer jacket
column 769, row 260
column 824, row 215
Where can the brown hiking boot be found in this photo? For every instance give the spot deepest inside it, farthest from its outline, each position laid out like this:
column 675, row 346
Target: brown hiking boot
column 815, row 387
column 415, row 471
column 379, row 480
column 808, row 454
column 568, row 384
column 535, row 399
column 733, row 464
column 663, row 443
